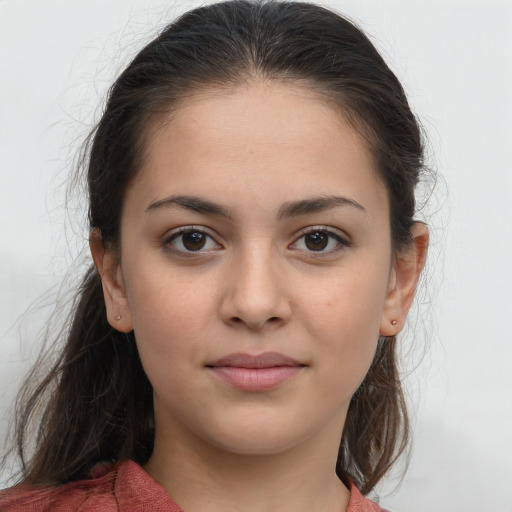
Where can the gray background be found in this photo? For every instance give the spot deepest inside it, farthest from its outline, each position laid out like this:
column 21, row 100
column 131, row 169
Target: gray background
column 455, row 60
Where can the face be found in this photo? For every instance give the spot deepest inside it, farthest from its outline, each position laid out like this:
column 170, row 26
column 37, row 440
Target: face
column 256, row 268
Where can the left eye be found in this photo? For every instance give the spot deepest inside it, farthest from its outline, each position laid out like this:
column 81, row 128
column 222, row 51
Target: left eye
column 192, row 240
column 319, row 240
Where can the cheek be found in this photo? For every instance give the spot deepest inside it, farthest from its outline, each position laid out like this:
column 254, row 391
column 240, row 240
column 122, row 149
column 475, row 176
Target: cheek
column 168, row 298
column 350, row 303
column 170, row 314
column 168, row 323
column 345, row 324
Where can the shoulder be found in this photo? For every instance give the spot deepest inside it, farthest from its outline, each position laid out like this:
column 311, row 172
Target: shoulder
column 122, row 487
column 94, row 493
column 358, row 503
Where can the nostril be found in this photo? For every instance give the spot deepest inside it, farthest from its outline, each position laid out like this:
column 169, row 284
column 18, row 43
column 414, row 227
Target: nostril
column 236, row 320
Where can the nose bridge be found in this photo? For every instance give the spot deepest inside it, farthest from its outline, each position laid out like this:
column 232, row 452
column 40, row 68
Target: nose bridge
column 256, row 294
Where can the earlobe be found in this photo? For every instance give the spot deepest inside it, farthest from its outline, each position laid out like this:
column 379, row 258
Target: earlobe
column 112, row 281
column 403, row 281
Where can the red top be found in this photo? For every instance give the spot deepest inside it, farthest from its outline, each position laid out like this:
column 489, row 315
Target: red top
column 123, row 487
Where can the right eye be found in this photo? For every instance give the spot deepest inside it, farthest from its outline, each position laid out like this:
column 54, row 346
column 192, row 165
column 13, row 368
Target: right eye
column 191, row 240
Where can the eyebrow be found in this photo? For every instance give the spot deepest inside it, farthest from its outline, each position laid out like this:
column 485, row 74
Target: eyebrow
column 287, row 210
column 315, row 205
column 194, row 203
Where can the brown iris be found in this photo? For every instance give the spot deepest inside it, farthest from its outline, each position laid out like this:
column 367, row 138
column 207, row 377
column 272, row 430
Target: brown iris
column 193, row 241
column 316, row 241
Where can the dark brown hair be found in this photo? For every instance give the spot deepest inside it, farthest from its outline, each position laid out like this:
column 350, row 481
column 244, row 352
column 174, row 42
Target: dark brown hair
column 97, row 400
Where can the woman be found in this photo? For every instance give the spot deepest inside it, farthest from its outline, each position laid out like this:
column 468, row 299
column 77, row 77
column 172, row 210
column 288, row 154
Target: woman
column 251, row 187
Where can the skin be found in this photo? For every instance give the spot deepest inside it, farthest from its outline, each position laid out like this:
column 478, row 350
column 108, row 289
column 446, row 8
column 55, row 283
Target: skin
column 257, row 285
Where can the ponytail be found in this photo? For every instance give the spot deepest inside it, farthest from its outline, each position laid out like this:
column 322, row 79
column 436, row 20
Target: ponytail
column 98, row 399
column 376, row 430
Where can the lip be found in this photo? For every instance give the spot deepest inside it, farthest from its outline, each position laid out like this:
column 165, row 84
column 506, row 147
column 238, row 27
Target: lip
column 261, row 372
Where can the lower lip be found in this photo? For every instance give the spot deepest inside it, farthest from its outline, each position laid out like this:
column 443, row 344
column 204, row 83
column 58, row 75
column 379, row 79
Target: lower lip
column 256, row 379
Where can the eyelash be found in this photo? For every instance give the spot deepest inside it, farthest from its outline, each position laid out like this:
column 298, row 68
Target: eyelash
column 167, row 243
column 340, row 241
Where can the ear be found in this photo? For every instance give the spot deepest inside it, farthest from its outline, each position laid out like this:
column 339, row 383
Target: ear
column 109, row 268
column 403, row 281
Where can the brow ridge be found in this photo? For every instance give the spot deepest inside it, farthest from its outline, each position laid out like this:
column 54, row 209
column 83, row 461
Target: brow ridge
column 287, row 210
column 316, row 205
column 194, row 203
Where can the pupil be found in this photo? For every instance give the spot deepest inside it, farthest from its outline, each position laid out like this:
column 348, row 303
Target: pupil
column 194, row 241
column 316, row 241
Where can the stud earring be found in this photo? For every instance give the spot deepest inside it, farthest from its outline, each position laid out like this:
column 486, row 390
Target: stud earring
column 118, row 317
column 393, row 322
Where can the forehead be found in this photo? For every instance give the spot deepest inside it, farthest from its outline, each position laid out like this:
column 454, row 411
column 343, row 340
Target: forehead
column 271, row 112
column 257, row 137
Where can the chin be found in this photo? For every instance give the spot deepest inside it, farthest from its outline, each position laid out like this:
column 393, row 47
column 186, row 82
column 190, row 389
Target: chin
column 257, row 446
column 257, row 437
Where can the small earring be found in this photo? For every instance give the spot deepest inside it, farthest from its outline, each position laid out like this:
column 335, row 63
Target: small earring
column 118, row 317
column 393, row 322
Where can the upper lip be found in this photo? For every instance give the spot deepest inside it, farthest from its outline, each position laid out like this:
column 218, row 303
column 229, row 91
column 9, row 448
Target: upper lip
column 265, row 360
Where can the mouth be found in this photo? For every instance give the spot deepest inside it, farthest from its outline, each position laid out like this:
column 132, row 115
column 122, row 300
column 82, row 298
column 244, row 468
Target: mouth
column 261, row 372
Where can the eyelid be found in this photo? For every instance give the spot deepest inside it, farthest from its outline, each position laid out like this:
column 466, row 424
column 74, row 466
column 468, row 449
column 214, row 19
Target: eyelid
column 340, row 236
column 173, row 234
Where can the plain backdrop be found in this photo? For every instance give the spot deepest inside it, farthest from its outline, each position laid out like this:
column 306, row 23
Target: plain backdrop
column 57, row 59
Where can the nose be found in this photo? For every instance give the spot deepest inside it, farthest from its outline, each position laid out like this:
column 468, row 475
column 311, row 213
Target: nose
column 256, row 292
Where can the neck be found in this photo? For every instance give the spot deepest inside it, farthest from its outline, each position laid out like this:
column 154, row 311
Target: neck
column 299, row 479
